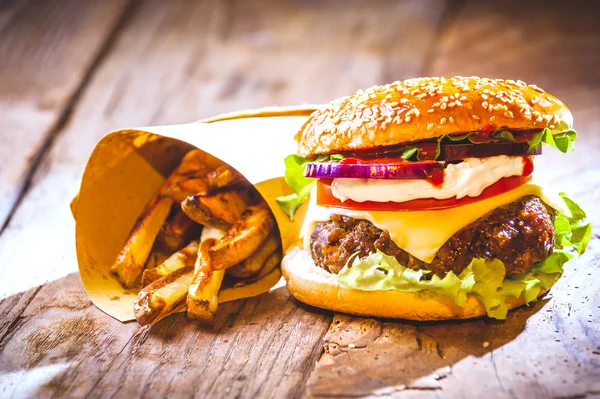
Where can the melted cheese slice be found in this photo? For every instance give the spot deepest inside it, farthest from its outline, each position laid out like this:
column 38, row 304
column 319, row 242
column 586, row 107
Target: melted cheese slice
column 422, row 233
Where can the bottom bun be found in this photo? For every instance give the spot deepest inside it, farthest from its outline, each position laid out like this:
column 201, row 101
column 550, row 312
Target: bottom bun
column 317, row 287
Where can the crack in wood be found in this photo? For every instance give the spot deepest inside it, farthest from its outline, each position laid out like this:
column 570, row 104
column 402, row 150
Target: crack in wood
column 12, row 327
column 110, row 364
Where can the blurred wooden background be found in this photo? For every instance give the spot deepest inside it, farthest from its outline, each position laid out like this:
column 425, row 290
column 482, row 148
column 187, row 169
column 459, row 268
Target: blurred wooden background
column 73, row 70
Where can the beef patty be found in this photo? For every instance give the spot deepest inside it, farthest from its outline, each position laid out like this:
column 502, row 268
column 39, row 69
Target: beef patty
column 519, row 234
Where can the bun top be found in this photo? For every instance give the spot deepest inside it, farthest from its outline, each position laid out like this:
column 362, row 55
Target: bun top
column 427, row 108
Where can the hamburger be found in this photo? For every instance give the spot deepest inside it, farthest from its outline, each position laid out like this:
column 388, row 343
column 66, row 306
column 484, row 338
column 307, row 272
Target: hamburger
column 422, row 203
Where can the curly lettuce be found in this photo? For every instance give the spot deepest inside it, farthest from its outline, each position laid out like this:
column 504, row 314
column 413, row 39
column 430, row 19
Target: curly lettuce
column 484, row 279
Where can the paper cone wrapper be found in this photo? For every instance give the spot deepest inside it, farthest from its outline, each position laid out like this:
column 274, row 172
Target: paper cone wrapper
column 128, row 166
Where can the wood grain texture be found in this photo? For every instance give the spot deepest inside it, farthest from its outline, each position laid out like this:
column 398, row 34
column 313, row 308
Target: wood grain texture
column 47, row 48
column 174, row 62
column 262, row 346
column 553, row 348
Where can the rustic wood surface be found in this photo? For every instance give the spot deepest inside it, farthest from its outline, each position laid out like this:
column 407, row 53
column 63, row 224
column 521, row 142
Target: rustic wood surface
column 71, row 71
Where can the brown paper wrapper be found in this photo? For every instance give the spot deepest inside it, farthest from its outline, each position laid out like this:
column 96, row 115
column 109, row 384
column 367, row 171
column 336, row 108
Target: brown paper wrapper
column 128, row 166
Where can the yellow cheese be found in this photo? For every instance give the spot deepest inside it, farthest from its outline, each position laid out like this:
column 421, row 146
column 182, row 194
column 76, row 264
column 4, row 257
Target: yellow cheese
column 422, row 233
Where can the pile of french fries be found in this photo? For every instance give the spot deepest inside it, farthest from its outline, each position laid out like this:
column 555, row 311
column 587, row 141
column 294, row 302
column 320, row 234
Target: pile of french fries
column 201, row 226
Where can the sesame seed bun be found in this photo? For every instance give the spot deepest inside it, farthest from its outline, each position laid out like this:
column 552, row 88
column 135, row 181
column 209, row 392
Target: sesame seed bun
column 428, row 108
column 317, row 287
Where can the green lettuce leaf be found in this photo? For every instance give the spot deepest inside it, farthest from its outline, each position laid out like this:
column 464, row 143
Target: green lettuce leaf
column 574, row 231
column 482, row 278
column 294, row 177
column 381, row 272
column 563, row 142
column 302, row 186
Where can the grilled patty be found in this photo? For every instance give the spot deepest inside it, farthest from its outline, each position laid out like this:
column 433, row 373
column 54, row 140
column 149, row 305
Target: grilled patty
column 519, row 234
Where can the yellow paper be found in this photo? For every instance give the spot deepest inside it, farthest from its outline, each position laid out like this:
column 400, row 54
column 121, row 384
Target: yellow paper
column 128, row 166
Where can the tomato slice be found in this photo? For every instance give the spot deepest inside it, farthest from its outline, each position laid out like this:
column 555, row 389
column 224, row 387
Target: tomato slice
column 324, row 197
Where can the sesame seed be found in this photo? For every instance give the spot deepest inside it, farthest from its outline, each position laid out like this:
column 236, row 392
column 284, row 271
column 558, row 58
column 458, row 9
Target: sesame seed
column 509, row 114
column 429, row 126
column 492, row 118
column 417, row 112
column 407, row 119
column 430, row 110
column 443, row 106
column 458, row 103
column 534, row 87
column 403, row 100
column 451, row 119
column 393, row 104
column 463, row 98
column 498, row 107
column 539, row 119
column 484, row 96
column 452, row 104
column 442, row 121
column 436, row 105
column 476, row 117
column 484, row 104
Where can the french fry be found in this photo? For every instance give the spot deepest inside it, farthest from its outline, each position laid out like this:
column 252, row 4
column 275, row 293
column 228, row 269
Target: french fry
column 222, row 177
column 185, row 257
column 163, row 296
column 253, row 264
column 203, row 294
column 270, row 264
column 243, row 238
column 177, row 231
column 131, row 260
column 220, row 210
column 193, row 186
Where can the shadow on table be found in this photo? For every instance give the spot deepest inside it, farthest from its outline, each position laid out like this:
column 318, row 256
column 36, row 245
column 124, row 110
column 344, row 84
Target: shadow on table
column 367, row 356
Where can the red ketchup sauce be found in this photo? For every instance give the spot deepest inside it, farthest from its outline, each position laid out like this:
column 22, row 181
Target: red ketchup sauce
column 527, row 166
column 436, row 177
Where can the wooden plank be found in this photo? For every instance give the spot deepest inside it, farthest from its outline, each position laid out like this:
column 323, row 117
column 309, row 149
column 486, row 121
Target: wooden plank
column 553, row 348
column 259, row 346
column 179, row 61
column 47, row 48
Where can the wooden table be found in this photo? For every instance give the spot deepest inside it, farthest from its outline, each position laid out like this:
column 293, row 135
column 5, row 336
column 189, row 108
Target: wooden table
column 73, row 70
